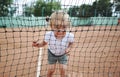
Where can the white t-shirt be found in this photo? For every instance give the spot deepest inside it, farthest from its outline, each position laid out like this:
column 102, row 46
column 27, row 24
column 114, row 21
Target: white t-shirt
column 58, row 47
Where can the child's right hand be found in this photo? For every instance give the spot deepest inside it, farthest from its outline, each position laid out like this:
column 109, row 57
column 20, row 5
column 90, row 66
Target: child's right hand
column 35, row 44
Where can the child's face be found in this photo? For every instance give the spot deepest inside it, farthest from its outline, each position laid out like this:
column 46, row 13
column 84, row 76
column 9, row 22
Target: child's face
column 59, row 27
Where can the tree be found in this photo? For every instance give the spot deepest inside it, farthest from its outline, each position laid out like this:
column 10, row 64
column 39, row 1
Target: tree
column 85, row 11
column 4, row 5
column 43, row 8
column 102, row 7
column 38, row 8
column 117, row 8
column 73, row 11
column 80, row 11
column 118, row 5
column 117, row 0
column 28, row 10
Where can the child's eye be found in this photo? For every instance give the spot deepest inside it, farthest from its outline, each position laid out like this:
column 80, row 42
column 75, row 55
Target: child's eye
column 61, row 30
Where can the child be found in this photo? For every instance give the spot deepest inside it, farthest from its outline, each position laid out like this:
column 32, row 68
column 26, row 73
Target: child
column 59, row 42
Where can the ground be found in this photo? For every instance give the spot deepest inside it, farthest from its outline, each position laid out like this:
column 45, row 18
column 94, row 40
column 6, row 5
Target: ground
column 96, row 52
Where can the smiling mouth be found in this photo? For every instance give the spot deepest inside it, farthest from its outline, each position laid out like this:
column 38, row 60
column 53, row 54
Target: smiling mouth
column 60, row 34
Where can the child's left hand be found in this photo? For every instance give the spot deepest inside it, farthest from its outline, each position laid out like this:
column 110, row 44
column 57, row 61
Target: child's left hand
column 67, row 51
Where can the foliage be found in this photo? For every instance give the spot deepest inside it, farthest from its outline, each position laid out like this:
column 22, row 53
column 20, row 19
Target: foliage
column 4, row 5
column 85, row 11
column 117, row 8
column 28, row 10
column 103, row 8
column 43, row 8
column 98, row 8
column 73, row 11
column 117, row 0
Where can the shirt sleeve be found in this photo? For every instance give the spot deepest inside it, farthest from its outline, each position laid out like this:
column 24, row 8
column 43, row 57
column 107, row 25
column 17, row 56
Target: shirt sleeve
column 71, row 37
column 47, row 37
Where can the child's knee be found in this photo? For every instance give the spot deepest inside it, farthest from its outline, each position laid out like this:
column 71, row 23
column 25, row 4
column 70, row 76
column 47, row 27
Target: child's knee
column 62, row 70
column 51, row 71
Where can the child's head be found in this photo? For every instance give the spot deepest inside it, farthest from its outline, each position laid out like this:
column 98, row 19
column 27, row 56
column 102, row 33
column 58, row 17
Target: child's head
column 59, row 20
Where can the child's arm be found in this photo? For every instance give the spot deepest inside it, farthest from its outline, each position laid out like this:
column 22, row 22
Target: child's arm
column 42, row 44
column 69, row 47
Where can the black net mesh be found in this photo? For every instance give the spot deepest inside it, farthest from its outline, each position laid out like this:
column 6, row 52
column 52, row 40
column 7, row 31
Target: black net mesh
column 95, row 25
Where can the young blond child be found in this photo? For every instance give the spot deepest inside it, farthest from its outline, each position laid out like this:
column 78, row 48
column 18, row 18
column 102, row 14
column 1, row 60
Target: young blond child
column 59, row 42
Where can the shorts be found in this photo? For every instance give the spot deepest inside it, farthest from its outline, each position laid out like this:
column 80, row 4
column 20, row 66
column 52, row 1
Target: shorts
column 53, row 59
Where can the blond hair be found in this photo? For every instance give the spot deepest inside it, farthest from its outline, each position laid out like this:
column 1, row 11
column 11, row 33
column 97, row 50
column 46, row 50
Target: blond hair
column 59, row 17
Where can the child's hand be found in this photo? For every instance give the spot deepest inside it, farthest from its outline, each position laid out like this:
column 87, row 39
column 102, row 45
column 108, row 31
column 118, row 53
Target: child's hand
column 35, row 44
column 67, row 51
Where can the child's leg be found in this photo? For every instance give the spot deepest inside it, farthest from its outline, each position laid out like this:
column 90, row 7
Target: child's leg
column 51, row 70
column 63, row 64
column 52, row 64
column 62, row 68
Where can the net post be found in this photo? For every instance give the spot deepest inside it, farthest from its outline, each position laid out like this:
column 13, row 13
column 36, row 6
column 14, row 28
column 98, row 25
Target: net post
column 39, row 63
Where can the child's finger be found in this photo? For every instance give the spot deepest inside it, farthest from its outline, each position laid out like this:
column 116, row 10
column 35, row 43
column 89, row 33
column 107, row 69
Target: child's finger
column 67, row 53
column 33, row 44
column 35, row 41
